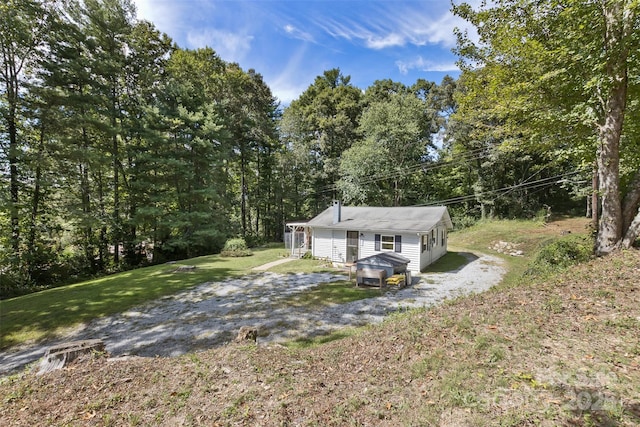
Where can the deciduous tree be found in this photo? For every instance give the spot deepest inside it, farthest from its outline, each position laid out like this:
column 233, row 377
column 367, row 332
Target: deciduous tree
column 569, row 64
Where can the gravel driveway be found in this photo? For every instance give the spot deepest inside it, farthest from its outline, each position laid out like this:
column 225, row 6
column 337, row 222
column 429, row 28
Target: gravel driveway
column 210, row 314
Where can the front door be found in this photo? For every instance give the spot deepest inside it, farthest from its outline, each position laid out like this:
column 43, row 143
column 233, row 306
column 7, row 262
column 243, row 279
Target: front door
column 352, row 246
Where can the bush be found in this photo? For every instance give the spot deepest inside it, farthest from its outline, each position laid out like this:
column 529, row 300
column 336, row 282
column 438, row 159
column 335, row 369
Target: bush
column 236, row 247
column 561, row 254
column 463, row 221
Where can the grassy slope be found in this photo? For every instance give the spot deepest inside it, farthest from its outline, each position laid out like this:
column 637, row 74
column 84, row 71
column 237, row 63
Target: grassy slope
column 562, row 350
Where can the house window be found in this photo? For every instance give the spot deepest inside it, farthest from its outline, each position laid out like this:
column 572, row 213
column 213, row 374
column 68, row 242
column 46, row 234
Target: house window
column 443, row 236
column 387, row 243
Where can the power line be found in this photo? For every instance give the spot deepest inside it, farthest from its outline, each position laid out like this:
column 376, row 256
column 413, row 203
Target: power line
column 545, row 182
column 466, row 157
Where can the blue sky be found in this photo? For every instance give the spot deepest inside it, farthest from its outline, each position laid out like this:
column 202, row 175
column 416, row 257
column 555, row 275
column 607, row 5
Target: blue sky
column 290, row 42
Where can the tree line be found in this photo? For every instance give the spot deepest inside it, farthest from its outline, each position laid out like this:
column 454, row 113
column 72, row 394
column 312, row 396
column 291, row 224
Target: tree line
column 118, row 148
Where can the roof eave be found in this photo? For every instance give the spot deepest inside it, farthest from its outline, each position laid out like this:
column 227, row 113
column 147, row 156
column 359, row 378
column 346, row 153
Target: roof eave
column 380, row 230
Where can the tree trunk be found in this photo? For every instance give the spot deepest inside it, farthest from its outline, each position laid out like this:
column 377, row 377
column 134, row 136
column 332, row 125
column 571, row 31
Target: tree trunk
column 103, row 242
column 594, row 198
column 22, row 29
column 610, row 128
column 610, row 225
column 11, row 86
column 631, row 213
column 631, row 202
column 14, row 188
column 396, row 193
column 35, row 204
column 243, row 190
column 85, row 194
column 632, row 232
column 116, row 179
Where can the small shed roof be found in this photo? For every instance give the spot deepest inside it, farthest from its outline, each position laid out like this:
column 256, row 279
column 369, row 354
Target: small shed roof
column 418, row 219
column 384, row 259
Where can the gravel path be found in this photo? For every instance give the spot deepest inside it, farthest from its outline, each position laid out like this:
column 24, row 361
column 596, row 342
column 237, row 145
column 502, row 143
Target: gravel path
column 210, row 314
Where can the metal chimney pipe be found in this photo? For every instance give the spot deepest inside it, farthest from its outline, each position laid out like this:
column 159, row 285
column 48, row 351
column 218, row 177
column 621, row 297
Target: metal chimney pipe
column 337, row 214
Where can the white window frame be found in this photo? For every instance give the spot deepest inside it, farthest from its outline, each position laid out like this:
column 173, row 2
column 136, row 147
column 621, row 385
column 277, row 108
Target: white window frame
column 391, row 243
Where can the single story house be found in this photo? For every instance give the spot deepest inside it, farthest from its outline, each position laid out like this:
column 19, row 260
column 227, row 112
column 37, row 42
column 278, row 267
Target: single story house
column 345, row 234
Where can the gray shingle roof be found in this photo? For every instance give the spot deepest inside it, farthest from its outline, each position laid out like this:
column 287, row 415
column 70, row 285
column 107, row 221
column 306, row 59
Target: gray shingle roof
column 417, row 219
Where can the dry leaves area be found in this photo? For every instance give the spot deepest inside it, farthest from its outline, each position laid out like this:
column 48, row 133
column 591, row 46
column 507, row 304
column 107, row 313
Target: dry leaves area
column 563, row 350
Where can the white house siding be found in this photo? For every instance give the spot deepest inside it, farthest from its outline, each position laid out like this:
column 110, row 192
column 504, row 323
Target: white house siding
column 410, row 248
column 435, row 248
column 332, row 244
column 367, row 244
column 339, row 246
column 322, row 243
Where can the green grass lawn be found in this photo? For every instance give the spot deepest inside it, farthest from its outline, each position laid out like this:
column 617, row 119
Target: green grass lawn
column 530, row 235
column 47, row 313
column 451, row 261
column 340, row 292
column 303, row 266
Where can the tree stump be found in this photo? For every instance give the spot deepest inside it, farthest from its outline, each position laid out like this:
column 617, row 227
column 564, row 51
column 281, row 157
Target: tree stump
column 59, row 356
column 247, row 333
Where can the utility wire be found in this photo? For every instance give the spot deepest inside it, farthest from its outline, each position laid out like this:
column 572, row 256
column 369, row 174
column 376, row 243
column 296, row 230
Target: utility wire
column 462, row 159
column 545, row 182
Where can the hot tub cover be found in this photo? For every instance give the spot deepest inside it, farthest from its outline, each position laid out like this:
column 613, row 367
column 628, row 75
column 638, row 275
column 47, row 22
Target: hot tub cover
column 383, row 259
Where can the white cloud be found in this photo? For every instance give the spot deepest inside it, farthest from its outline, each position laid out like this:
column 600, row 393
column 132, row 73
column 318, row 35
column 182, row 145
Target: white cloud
column 398, row 24
column 376, row 38
column 341, row 30
column 297, row 33
column 390, row 40
column 293, row 77
column 229, row 46
column 287, row 91
column 425, row 65
column 439, row 31
column 165, row 15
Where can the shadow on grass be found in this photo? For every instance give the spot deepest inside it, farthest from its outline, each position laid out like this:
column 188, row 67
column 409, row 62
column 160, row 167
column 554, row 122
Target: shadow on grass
column 451, row 262
column 45, row 314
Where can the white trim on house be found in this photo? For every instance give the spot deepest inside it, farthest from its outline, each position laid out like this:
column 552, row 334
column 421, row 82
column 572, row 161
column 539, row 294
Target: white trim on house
column 389, row 244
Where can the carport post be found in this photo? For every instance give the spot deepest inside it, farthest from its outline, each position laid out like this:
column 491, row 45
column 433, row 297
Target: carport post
column 293, row 240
